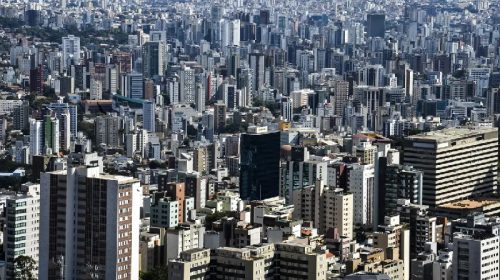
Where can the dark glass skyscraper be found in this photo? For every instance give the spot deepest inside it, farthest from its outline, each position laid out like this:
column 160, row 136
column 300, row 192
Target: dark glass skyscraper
column 375, row 25
column 260, row 156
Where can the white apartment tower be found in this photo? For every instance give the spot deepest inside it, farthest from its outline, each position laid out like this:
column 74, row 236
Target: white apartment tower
column 361, row 184
column 21, row 233
column 70, row 50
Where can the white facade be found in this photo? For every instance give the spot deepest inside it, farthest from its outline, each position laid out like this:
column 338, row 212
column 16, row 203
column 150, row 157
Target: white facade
column 183, row 239
column 476, row 257
column 21, row 233
column 361, row 184
column 70, row 50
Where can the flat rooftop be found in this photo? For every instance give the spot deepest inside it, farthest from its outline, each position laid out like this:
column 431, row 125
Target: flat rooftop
column 448, row 134
column 470, row 203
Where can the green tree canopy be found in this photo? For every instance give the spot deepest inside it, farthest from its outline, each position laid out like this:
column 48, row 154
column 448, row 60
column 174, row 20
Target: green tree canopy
column 25, row 268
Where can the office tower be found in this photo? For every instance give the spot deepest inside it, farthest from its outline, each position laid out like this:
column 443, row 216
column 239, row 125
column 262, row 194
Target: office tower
column 148, row 116
column 475, row 256
column 258, row 67
column 22, row 216
column 361, row 184
column 341, row 97
column 37, row 77
column 398, row 182
column 187, row 85
column 89, row 225
column 153, row 58
column 70, row 51
column 60, row 108
column 457, row 163
column 375, row 25
column 135, row 86
column 192, row 263
column 259, row 169
column 219, row 116
column 107, row 130
column 66, row 85
column 95, row 90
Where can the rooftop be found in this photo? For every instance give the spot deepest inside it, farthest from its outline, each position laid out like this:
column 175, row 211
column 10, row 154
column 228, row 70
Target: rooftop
column 470, row 203
column 448, row 134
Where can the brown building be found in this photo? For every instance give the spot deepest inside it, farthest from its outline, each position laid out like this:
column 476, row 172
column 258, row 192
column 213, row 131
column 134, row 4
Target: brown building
column 176, row 191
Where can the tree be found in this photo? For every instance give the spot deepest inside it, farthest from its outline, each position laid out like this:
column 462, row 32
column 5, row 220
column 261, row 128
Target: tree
column 211, row 218
column 157, row 273
column 25, row 268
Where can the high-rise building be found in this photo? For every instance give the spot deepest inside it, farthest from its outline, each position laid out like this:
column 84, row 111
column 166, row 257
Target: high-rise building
column 457, row 163
column 21, row 232
column 341, row 96
column 187, row 85
column 361, row 182
column 36, row 140
column 375, row 25
column 258, row 66
column 70, row 50
column 164, row 211
column 107, row 130
column 219, row 116
column 60, row 108
column 89, row 222
column 176, row 191
column 135, row 86
column 297, row 171
column 475, row 257
column 153, row 58
column 37, row 79
column 260, row 156
column 397, row 182
column 338, row 211
column 21, row 116
column 149, row 116
column 95, row 90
